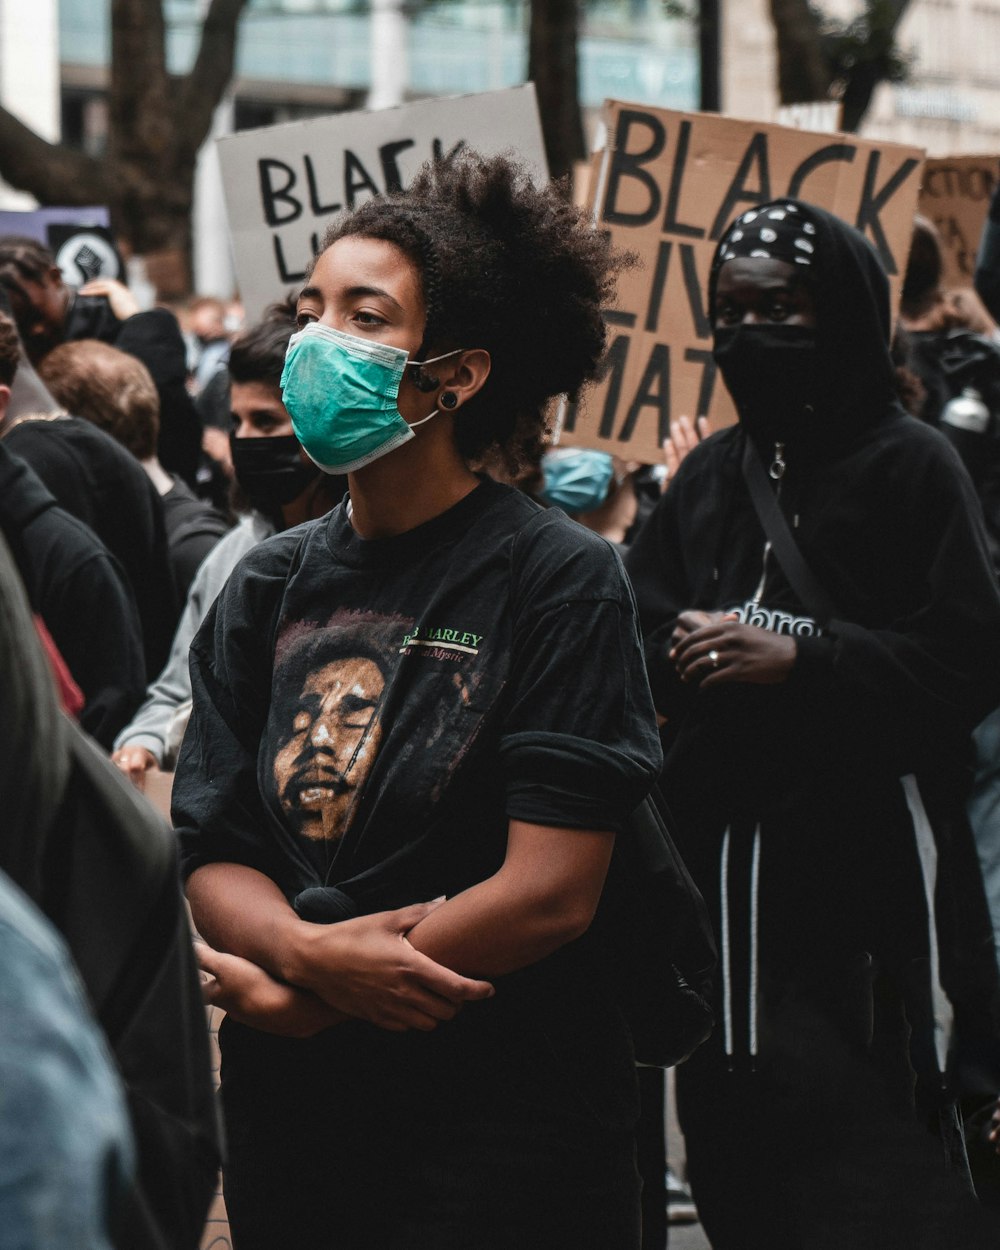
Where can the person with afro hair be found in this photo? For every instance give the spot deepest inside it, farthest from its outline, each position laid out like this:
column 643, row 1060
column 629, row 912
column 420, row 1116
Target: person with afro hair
column 398, row 1072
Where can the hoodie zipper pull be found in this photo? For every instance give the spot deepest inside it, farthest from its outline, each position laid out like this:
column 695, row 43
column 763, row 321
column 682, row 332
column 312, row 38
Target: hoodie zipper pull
column 778, row 466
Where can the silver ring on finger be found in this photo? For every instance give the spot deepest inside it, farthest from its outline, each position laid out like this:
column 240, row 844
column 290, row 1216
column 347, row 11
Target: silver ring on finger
column 713, row 657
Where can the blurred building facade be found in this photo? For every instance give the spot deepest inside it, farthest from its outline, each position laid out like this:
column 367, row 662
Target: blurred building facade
column 951, row 103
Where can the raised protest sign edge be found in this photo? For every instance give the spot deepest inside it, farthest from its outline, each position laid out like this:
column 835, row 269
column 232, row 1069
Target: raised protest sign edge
column 666, row 187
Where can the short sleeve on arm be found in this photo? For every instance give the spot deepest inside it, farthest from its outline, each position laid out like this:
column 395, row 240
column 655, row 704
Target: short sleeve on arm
column 579, row 745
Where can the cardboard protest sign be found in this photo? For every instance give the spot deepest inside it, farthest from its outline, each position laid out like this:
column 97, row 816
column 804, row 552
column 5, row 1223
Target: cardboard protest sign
column 955, row 196
column 84, row 253
column 666, row 187
column 284, row 184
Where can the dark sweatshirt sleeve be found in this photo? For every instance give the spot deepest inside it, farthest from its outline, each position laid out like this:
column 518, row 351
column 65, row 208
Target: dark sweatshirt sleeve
column 91, row 615
column 656, row 566
column 216, row 803
column 925, row 679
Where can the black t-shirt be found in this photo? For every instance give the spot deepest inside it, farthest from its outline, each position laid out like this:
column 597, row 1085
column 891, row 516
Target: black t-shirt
column 371, row 713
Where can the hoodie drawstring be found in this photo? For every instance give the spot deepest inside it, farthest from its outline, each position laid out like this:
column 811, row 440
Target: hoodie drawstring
column 725, row 935
column 727, row 981
column 754, row 951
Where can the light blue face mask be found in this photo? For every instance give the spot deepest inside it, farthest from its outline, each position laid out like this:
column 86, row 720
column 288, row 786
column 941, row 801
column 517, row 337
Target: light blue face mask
column 342, row 393
column 575, row 479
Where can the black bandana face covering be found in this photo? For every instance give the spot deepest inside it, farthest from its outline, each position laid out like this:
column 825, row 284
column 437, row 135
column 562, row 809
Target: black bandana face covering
column 771, row 373
column 271, row 469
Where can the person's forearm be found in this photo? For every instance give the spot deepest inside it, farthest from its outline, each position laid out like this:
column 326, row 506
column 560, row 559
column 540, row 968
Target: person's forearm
column 362, row 967
column 517, row 916
column 484, row 932
column 241, row 912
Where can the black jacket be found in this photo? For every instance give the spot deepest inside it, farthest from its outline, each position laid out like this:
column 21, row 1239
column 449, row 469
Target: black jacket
column 99, row 482
column 887, row 519
column 88, row 849
column 79, row 590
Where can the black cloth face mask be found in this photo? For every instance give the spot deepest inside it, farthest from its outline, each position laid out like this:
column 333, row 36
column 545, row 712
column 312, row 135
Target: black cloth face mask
column 270, row 469
column 772, row 374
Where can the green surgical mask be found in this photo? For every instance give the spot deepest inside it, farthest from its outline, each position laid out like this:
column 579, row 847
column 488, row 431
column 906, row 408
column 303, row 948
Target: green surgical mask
column 342, row 393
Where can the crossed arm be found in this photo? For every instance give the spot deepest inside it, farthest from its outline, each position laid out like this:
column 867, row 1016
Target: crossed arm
column 411, row 968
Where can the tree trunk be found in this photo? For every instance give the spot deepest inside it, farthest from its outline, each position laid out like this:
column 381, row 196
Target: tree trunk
column 862, row 82
column 803, row 76
column 552, row 66
column 157, row 124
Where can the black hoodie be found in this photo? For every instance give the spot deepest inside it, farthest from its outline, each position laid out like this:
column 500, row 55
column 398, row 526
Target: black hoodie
column 887, row 519
column 79, row 590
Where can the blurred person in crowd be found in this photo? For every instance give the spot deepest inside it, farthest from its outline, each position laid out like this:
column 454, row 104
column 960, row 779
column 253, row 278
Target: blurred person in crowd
column 610, row 496
column 48, row 312
column 822, row 633
column 73, row 583
column 951, row 348
column 208, row 339
column 96, row 480
column 986, row 278
column 959, row 369
column 115, row 392
column 283, row 488
column 102, row 868
column 480, row 767
column 66, row 1153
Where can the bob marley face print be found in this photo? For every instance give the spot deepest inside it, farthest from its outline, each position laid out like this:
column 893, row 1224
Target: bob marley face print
column 333, row 738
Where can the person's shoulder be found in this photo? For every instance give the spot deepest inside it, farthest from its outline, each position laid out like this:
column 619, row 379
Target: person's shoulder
column 903, row 455
column 273, row 556
column 707, row 454
column 903, row 435
column 83, row 441
column 557, row 558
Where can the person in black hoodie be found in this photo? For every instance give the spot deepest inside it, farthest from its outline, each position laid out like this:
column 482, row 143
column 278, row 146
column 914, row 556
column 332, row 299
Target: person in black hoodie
column 99, row 483
column 817, row 744
column 72, row 581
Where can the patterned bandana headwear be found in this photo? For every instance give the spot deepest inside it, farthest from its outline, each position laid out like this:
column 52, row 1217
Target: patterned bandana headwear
column 775, row 233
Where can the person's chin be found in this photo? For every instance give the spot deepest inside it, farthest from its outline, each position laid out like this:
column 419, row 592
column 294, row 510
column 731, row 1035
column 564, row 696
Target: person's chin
column 319, row 822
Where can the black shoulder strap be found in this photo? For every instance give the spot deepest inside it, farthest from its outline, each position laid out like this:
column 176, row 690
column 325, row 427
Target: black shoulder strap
column 786, row 550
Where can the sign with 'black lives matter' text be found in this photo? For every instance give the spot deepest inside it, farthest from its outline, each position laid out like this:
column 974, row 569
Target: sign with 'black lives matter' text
column 285, row 184
column 666, row 187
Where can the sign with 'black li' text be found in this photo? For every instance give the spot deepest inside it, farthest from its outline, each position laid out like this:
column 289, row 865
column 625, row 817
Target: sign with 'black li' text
column 666, row 187
column 285, row 184
column 956, row 197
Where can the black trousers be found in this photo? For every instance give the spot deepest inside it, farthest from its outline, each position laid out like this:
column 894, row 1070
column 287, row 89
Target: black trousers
column 815, row 1144
column 383, row 1142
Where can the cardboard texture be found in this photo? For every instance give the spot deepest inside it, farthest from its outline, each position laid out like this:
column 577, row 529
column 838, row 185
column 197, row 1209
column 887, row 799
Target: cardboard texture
column 955, row 196
column 666, row 188
column 284, row 184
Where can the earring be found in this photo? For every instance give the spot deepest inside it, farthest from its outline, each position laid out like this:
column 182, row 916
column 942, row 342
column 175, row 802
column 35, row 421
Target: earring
column 448, row 400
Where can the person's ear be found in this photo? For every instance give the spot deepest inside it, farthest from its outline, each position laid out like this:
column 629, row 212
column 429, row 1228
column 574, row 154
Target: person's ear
column 468, row 377
column 4, row 401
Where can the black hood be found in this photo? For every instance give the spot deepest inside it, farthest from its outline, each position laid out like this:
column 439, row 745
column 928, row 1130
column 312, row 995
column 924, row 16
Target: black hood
column 853, row 322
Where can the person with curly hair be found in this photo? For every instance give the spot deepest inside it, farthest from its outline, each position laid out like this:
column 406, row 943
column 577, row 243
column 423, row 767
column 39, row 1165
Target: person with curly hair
column 397, row 703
